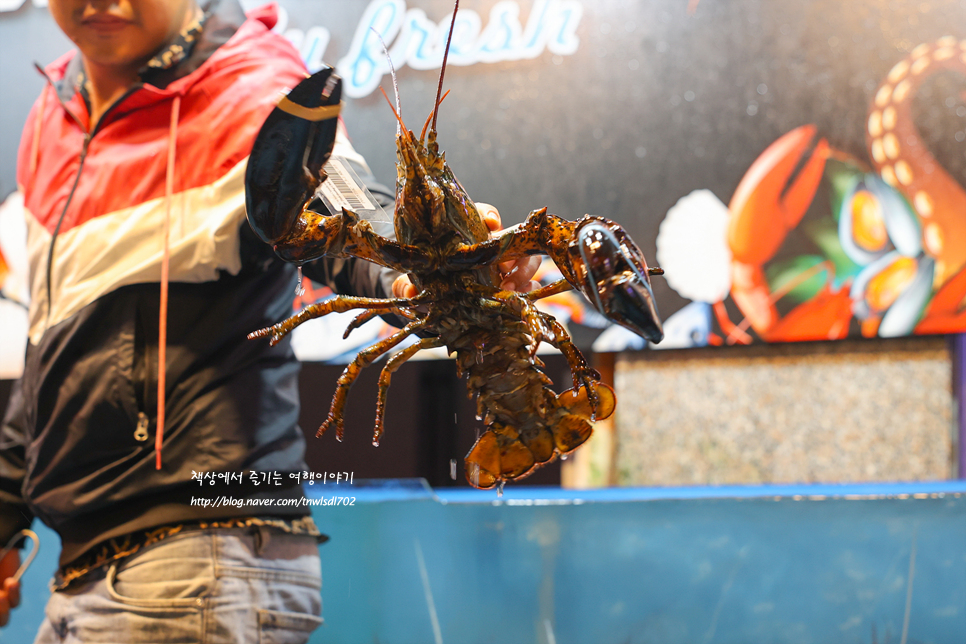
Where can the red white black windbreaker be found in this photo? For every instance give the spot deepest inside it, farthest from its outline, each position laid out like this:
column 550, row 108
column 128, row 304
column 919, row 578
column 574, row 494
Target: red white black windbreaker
column 74, row 447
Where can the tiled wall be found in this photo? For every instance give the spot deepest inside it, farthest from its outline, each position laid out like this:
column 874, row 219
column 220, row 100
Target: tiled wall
column 815, row 412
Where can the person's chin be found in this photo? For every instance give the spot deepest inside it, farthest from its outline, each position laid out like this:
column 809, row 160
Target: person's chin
column 111, row 51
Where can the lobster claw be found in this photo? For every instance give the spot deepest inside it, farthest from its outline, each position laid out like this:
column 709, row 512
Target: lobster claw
column 615, row 278
column 285, row 167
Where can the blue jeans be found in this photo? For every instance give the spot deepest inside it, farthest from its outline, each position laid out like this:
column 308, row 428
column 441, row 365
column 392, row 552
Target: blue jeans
column 202, row 586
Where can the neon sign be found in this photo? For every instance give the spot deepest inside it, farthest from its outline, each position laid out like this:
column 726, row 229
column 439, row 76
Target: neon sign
column 416, row 40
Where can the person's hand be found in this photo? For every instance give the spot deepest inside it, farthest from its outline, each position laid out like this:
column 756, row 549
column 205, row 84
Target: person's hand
column 9, row 589
column 517, row 274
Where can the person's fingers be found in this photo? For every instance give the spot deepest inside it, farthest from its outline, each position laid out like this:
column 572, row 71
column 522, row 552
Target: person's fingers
column 13, row 592
column 521, row 274
column 526, row 287
column 491, row 216
column 4, row 608
column 399, row 285
column 402, row 287
column 9, row 589
column 527, row 268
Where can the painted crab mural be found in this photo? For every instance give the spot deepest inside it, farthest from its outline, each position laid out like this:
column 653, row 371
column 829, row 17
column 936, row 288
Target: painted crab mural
column 889, row 255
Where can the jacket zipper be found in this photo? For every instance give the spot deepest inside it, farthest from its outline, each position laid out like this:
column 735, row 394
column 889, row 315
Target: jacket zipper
column 141, row 430
column 70, row 196
column 60, row 221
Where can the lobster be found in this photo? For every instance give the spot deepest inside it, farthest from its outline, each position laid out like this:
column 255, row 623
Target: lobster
column 452, row 260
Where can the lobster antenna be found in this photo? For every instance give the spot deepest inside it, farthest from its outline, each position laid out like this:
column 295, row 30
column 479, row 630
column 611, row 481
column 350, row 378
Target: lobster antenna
column 442, row 70
column 392, row 72
column 394, row 112
column 422, row 135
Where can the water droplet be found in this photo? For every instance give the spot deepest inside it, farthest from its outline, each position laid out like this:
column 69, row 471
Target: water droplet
column 563, row 457
column 454, row 419
column 375, row 442
column 499, row 489
column 452, row 468
column 299, row 289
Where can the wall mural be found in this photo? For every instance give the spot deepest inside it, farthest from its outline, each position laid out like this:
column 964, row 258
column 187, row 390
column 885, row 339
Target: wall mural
column 796, row 167
column 887, row 249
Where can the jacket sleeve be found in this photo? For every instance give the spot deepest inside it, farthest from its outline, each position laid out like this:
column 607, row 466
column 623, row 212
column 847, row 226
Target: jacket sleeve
column 14, row 514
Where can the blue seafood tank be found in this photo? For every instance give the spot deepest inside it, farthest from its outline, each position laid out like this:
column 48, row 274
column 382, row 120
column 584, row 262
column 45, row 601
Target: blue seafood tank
column 817, row 563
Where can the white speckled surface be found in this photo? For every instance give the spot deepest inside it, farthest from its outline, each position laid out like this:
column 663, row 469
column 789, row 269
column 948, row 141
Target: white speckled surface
column 830, row 412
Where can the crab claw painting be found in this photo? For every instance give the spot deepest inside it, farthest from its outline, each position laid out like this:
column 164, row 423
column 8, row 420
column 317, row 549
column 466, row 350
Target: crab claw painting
column 884, row 246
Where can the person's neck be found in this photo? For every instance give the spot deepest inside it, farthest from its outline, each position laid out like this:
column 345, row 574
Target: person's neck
column 107, row 85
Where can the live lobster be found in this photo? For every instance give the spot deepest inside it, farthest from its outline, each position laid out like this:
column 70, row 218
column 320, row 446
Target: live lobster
column 452, row 259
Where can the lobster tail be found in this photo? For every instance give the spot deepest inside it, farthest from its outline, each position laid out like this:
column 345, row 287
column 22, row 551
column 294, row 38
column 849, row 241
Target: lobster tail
column 574, row 428
column 527, row 424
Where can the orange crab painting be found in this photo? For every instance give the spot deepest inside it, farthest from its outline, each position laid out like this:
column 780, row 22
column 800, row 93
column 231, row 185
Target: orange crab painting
column 889, row 254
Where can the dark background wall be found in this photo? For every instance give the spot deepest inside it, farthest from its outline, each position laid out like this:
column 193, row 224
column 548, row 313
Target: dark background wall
column 653, row 104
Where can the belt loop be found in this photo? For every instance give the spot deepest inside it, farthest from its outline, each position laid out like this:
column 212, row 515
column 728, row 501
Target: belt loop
column 262, row 535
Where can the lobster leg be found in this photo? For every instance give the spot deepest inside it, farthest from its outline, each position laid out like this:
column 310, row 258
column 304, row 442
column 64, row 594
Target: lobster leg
column 522, row 308
column 343, row 234
column 338, row 304
column 583, row 374
column 545, row 328
column 560, row 286
column 364, row 359
column 395, row 361
column 365, row 316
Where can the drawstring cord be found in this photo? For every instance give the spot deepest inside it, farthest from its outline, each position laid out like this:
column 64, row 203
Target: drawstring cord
column 165, row 261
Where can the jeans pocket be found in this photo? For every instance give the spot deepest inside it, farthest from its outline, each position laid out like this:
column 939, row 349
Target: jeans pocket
column 174, row 585
column 279, row 627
